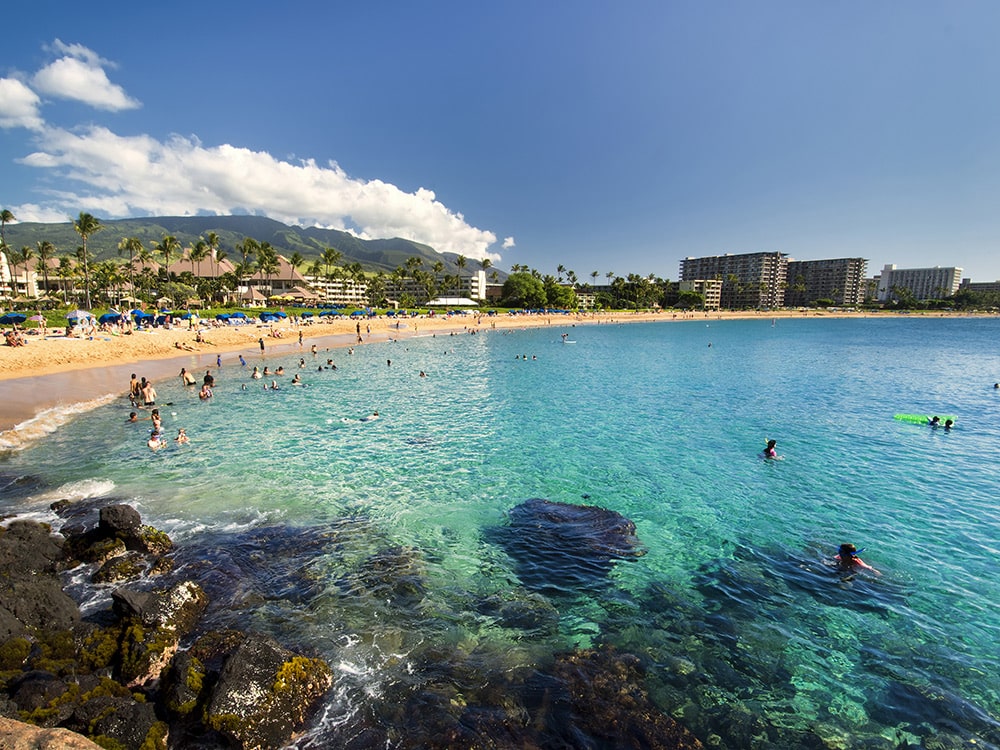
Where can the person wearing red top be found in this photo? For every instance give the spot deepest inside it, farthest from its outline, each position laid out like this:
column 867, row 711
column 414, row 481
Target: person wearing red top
column 848, row 560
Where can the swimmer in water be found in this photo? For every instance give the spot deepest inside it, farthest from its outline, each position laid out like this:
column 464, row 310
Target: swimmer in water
column 770, row 451
column 848, row 561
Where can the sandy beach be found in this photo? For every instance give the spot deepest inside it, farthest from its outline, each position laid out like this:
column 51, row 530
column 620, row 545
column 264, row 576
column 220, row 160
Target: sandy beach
column 53, row 371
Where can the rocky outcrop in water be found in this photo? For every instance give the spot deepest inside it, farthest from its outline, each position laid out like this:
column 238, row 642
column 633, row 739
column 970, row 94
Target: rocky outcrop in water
column 120, row 677
column 31, row 596
column 561, row 548
column 264, row 692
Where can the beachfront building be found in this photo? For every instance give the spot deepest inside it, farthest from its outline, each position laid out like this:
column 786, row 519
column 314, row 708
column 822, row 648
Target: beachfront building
column 750, row 280
column 920, row 283
column 841, row 280
column 968, row 285
column 25, row 279
column 709, row 289
column 345, row 291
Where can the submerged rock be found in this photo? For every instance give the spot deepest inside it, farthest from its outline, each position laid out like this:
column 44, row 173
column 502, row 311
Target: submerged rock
column 561, row 548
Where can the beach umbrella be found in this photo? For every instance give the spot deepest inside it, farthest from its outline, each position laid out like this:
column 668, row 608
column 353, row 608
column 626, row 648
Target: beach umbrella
column 109, row 317
column 37, row 318
column 12, row 317
column 237, row 315
column 77, row 314
column 307, row 315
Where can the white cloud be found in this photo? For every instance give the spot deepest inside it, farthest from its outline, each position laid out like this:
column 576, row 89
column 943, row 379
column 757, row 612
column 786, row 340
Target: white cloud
column 43, row 214
column 79, row 75
column 508, row 242
column 135, row 175
column 18, row 105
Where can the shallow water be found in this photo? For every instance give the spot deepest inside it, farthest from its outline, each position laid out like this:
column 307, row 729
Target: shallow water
column 284, row 503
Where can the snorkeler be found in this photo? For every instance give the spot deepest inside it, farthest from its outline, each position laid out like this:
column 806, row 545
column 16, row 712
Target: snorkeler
column 848, row 561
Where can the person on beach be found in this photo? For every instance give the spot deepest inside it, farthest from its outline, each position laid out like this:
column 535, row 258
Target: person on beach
column 848, row 561
column 948, row 424
column 186, row 377
column 935, row 421
column 154, row 416
column 771, row 450
column 208, row 380
column 243, row 362
column 132, row 417
column 261, row 342
column 182, row 437
column 206, row 392
column 296, row 380
column 256, row 373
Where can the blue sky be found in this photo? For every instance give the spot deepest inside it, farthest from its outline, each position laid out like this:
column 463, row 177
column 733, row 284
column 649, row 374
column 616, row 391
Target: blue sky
column 602, row 136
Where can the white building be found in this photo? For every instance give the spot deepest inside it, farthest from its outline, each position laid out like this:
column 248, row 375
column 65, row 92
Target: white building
column 922, row 283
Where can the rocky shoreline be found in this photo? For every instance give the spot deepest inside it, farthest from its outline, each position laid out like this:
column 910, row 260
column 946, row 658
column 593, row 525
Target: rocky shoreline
column 144, row 673
column 120, row 678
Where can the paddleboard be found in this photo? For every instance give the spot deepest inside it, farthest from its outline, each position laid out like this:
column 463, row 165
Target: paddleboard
column 921, row 418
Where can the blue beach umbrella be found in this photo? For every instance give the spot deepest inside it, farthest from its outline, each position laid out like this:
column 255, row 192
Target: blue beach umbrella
column 109, row 317
column 12, row 318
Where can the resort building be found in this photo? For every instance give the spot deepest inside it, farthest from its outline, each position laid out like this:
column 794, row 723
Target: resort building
column 841, row 280
column 968, row 285
column 921, row 283
column 709, row 289
column 751, row 280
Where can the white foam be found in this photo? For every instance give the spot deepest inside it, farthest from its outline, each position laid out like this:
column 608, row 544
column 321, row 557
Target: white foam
column 48, row 421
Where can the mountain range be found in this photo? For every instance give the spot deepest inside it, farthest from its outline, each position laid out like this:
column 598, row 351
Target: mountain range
column 310, row 242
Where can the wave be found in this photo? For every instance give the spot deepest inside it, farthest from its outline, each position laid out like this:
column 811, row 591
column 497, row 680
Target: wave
column 48, row 421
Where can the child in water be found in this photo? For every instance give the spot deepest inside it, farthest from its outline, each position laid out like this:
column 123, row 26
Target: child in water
column 848, row 561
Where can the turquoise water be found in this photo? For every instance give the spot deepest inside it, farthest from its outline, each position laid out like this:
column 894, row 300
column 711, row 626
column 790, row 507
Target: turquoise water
column 663, row 423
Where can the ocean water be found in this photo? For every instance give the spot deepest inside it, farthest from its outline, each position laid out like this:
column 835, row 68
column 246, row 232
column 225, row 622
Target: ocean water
column 373, row 544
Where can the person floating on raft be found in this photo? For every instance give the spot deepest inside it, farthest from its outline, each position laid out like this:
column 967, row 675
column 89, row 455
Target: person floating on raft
column 848, row 561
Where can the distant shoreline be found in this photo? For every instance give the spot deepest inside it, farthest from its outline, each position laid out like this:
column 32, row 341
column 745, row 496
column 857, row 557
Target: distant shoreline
column 58, row 371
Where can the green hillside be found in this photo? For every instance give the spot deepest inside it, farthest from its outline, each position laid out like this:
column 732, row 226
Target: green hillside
column 373, row 255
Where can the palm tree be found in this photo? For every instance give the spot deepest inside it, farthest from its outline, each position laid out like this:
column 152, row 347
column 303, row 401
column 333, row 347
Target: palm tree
column 198, row 253
column 268, row 264
column 130, row 245
column 85, row 226
column 294, row 262
column 21, row 258
column 5, row 218
column 45, row 251
column 166, row 247
column 65, row 272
